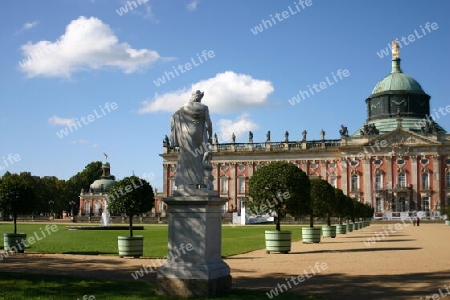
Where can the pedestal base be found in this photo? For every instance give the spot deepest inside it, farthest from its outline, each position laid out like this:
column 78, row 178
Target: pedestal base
column 190, row 288
column 196, row 268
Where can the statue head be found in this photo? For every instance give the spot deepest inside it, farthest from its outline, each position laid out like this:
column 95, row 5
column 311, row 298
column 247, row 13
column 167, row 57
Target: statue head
column 197, row 96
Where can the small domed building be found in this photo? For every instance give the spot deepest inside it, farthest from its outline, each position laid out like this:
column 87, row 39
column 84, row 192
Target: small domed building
column 93, row 203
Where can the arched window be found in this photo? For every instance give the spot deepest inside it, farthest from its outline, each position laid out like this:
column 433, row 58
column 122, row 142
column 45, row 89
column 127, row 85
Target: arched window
column 241, row 185
column 401, row 179
column 223, row 185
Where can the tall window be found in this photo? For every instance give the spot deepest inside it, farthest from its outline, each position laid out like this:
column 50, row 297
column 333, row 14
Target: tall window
column 241, row 185
column 224, row 185
column 426, row 203
column 173, row 187
column 447, row 179
column 401, row 204
column 354, row 183
column 401, row 179
column 377, row 204
column 378, row 181
column 425, row 181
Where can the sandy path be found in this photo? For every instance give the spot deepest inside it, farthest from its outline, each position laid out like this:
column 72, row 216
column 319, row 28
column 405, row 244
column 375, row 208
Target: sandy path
column 410, row 263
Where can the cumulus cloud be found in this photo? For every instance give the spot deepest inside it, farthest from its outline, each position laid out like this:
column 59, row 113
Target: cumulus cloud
column 240, row 126
column 192, row 5
column 59, row 121
column 87, row 44
column 226, row 92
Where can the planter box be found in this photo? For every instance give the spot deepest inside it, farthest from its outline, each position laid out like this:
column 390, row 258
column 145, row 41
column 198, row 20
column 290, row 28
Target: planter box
column 349, row 227
column 329, row 231
column 447, row 222
column 131, row 246
column 311, row 234
column 278, row 241
column 13, row 242
column 341, row 229
column 356, row 226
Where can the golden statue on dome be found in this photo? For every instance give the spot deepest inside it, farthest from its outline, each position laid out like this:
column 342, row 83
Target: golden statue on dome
column 395, row 49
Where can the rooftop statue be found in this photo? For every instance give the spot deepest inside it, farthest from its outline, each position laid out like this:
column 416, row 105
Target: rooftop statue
column 191, row 131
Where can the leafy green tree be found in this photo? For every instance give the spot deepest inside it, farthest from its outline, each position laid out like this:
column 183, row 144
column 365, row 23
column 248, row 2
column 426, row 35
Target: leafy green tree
column 341, row 200
column 322, row 200
column 131, row 196
column 280, row 187
column 349, row 208
column 16, row 197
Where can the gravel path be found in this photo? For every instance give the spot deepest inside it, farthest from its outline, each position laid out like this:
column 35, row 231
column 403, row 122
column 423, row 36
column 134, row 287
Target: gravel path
column 408, row 262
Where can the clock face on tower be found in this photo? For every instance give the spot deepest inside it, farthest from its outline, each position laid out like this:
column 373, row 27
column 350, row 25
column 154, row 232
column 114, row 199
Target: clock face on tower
column 375, row 107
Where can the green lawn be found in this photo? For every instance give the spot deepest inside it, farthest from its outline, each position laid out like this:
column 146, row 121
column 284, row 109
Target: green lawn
column 235, row 240
column 48, row 287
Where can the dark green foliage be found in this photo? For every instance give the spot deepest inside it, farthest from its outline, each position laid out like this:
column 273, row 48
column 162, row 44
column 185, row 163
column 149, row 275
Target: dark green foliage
column 323, row 201
column 341, row 200
column 280, row 187
column 130, row 196
column 16, row 197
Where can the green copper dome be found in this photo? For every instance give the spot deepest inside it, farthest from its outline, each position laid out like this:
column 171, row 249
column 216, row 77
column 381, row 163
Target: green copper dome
column 398, row 81
column 104, row 184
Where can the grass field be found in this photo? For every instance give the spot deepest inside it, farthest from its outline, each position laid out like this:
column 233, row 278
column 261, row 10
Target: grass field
column 47, row 287
column 235, row 240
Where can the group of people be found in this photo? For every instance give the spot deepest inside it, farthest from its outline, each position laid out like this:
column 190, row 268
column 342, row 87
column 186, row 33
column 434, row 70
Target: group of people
column 416, row 220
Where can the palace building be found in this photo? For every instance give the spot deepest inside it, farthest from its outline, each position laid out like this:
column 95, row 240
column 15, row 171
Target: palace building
column 398, row 161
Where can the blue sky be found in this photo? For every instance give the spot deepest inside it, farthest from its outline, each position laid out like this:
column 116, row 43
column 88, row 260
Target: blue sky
column 93, row 66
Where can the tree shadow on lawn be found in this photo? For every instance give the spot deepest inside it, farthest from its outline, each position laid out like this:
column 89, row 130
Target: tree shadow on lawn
column 338, row 286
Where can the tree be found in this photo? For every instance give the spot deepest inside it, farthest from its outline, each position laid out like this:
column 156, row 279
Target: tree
column 280, row 187
column 131, row 196
column 322, row 200
column 16, row 197
column 349, row 208
column 341, row 200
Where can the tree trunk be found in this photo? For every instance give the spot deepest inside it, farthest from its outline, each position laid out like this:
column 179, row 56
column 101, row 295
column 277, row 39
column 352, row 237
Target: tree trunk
column 311, row 220
column 278, row 218
column 328, row 220
column 131, row 225
column 15, row 223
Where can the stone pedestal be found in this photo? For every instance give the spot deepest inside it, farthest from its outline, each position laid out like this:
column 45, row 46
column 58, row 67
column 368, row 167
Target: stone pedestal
column 195, row 267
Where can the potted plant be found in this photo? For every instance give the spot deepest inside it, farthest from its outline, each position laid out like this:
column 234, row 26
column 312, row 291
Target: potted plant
column 16, row 198
column 279, row 188
column 130, row 196
column 340, row 198
column 322, row 204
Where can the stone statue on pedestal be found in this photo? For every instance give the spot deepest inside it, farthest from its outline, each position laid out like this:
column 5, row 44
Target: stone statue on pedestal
column 191, row 131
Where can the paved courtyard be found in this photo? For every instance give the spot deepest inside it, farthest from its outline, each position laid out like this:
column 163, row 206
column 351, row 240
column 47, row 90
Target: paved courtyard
column 406, row 263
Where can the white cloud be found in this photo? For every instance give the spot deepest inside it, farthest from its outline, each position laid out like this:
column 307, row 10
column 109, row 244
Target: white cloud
column 240, row 126
column 87, row 44
column 192, row 5
column 226, row 92
column 29, row 25
column 55, row 120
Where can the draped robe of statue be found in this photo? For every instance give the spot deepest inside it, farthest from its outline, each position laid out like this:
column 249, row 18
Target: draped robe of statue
column 191, row 130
